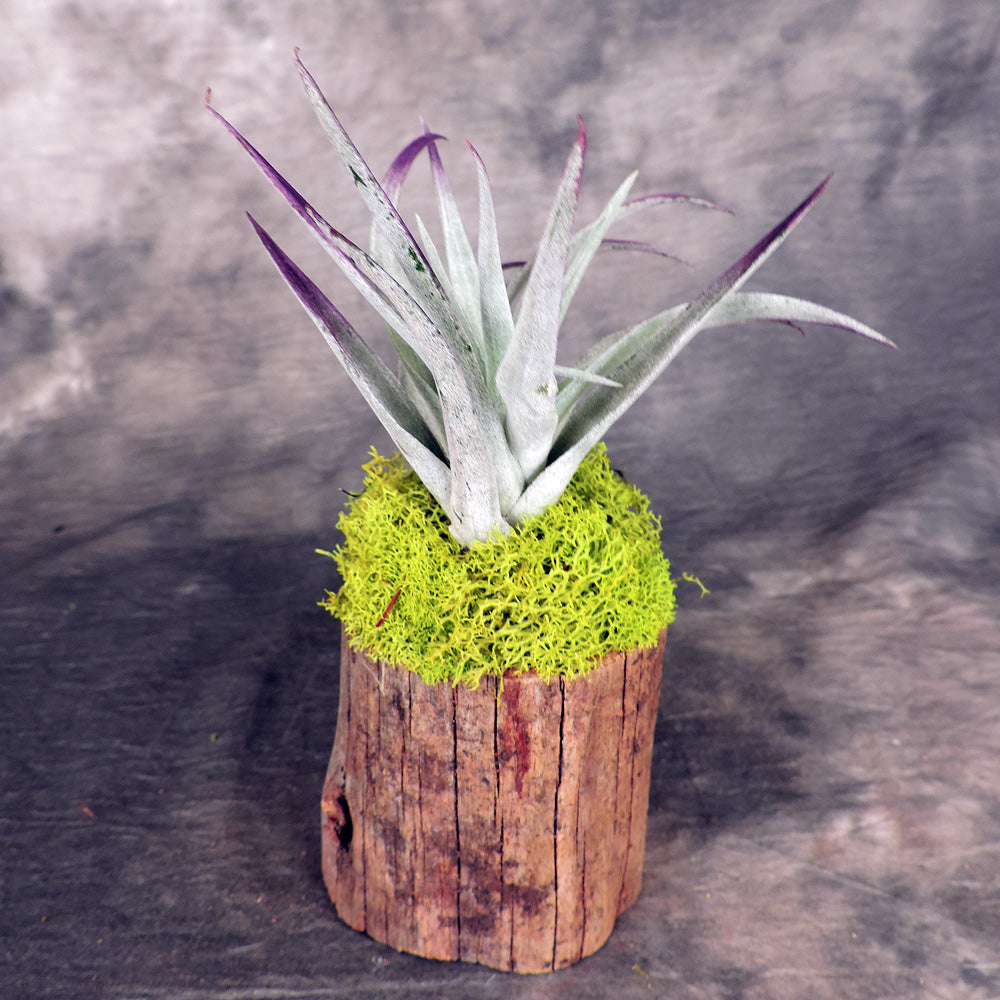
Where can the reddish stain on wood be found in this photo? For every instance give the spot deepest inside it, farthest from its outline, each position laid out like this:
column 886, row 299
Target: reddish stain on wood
column 515, row 735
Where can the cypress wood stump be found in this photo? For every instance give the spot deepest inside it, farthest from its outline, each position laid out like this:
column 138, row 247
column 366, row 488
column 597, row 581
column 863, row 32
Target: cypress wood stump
column 507, row 829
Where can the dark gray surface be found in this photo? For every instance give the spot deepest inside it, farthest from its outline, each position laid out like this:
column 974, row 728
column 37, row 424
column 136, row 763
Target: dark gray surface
column 825, row 815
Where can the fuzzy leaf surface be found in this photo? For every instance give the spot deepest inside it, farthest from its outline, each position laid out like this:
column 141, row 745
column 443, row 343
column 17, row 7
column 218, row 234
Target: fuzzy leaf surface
column 473, row 432
column 584, row 248
column 525, row 377
column 463, row 272
column 498, row 320
column 591, row 418
column 377, row 384
column 403, row 247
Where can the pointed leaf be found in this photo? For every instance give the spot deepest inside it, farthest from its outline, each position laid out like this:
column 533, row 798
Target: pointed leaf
column 632, row 207
column 475, row 443
column 434, row 255
column 740, row 307
column 463, row 272
column 769, row 307
column 382, row 291
column 589, row 242
column 583, row 376
column 400, row 166
column 475, row 439
column 640, row 247
column 517, row 272
column 365, row 273
column 525, row 379
column 378, row 385
column 403, row 246
column 645, row 201
column 379, row 243
column 498, row 321
column 597, row 412
column 375, row 198
column 609, row 353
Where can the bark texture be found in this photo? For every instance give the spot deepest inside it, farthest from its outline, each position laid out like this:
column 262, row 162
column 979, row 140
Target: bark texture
column 507, row 830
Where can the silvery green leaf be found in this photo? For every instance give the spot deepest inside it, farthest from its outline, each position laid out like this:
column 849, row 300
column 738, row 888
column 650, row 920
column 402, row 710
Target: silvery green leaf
column 379, row 244
column 375, row 198
column 366, row 273
column 463, row 272
column 413, row 373
column 525, row 379
column 377, row 384
column 403, row 247
column 577, row 374
column 740, row 307
column 769, row 307
column 591, row 418
column 476, row 408
column 480, row 478
column 391, row 299
column 610, row 352
column 485, row 477
column 516, row 274
column 582, row 245
column 433, row 255
column 589, row 241
column 509, row 479
column 420, row 389
column 498, row 321
column 473, row 431
column 624, row 209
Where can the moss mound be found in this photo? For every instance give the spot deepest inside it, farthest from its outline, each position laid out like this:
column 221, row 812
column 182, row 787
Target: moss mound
column 555, row 595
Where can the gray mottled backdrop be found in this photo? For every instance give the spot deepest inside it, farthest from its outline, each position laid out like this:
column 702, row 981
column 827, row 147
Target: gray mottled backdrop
column 174, row 438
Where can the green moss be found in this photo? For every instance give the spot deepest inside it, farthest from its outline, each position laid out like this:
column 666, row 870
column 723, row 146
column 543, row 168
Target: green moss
column 583, row 578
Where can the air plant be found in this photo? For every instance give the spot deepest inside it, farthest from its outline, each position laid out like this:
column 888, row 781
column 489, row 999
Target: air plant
column 480, row 410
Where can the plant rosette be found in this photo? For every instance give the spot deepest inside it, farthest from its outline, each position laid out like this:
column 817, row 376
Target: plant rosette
column 504, row 599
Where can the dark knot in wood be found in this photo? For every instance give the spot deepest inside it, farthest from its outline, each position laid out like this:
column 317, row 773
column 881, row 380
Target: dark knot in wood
column 337, row 813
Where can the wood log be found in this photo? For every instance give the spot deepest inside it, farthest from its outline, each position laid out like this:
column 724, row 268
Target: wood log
column 504, row 827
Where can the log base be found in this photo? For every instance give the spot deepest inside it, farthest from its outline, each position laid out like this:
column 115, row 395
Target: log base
column 508, row 830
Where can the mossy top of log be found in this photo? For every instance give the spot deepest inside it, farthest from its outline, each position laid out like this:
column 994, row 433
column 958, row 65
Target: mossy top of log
column 553, row 595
